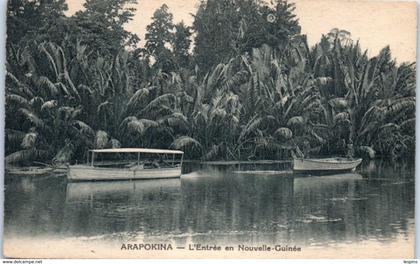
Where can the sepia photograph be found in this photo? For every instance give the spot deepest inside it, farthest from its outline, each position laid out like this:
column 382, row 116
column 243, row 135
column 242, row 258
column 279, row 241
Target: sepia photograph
column 258, row 129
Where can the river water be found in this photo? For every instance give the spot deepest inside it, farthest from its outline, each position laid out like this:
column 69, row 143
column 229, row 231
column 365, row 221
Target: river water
column 374, row 206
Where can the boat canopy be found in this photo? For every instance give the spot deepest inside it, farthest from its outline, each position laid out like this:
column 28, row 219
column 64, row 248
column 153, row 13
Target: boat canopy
column 137, row 150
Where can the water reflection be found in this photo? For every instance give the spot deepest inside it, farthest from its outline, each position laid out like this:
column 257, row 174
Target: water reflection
column 83, row 191
column 353, row 207
column 96, row 208
column 219, row 206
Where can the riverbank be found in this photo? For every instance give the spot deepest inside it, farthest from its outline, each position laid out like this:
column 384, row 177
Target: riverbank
column 188, row 164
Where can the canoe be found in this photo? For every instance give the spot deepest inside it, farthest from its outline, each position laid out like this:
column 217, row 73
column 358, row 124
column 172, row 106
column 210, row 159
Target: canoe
column 29, row 171
column 131, row 171
column 264, row 172
column 327, row 165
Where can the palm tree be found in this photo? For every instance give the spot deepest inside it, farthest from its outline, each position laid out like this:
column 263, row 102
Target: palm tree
column 388, row 124
column 64, row 98
column 283, row 115
column 55, row 106
column 359, row 113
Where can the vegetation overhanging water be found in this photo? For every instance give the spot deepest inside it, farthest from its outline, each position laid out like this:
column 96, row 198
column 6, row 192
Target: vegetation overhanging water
column 250, row 89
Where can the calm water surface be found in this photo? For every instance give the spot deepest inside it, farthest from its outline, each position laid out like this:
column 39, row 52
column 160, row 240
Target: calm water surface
column 218, row 206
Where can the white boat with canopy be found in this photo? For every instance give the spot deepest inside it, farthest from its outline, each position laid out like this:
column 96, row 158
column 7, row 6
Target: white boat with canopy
column 128, row 163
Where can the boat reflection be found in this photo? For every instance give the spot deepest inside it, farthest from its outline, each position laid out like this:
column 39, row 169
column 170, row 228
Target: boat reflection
column 121, row 207
column 108, row 189
column 321, row 183
column 227, row 207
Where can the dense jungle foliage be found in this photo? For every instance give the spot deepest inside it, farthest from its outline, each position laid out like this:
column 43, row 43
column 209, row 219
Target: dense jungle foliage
column 240, row 83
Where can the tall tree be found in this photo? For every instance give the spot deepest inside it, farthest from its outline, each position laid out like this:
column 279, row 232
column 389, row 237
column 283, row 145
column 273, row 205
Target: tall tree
column 216, row 25
column 181, row 44
column 101, row 25
column 227, row 28
column 159, row 37
column 26, row 18
column 275, row 26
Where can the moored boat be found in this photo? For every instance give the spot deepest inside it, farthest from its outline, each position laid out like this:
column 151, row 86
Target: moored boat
column 127, row 170
column 327, row 165
column 29, row 171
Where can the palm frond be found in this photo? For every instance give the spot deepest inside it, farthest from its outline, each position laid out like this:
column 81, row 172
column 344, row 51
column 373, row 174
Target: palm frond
column 137, row 99
column 213, row 153
column 14, row 135
column 115, row 143
column 158, row 102
column 343, row 117
column 338, row 103
column 284, row 133
column 250, row 127
column 36, row 102
column 49, row 105
column 83, row 128
column 185, row 141
column 18, row 100
column 24, row 89
column 48, row 86
column 25, row 155
column 126, row 120
column 175, row 119
column 409, row 124
column 52, row 62
column 64, row 155
column 215, row 77
column 21, row 155
column 369, row 151
column 318, row 138
column 101, row 139
column 29, row 140
column 136, row 126
column 147, row 123
column 33, row 118
column 295, row 121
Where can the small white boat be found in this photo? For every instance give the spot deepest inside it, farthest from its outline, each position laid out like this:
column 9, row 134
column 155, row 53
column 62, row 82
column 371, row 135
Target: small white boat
column 264, row 172
column 140, row 169
column 28, row 171
column 328, row 165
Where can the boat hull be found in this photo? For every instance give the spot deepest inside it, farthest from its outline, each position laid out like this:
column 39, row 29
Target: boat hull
column 89, row 173
column 28, row 171
column 323, row 166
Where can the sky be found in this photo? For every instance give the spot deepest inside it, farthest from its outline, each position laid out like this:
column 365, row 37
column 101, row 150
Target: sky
column 375, row 23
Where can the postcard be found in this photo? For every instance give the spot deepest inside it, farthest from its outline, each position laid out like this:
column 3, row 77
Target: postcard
column 210, row 129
